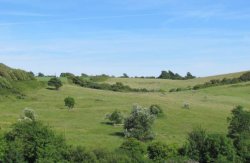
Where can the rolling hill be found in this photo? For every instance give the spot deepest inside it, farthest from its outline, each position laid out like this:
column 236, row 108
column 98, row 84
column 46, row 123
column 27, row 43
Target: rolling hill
column 86, row 124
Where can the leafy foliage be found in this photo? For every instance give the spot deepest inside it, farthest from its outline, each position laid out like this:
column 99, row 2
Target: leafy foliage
column 31, row 141
column 239, row 131
column 175, row 76
column 158, row 151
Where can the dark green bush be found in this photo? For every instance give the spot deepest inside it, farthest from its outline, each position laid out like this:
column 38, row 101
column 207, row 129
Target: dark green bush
column 156, row 110
column 134, row 146
column 158, row 151
column 69, row 102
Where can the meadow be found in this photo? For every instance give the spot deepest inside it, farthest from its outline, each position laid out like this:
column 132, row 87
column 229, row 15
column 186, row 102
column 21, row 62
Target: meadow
column 86, row 124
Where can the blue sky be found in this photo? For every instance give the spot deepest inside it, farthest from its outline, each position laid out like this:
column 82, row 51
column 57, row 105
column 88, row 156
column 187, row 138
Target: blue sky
column 139, row 37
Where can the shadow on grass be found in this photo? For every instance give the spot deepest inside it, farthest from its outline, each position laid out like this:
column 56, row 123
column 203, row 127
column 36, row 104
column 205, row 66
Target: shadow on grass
column 52, row 89
column 119, row 134
column 107, row 123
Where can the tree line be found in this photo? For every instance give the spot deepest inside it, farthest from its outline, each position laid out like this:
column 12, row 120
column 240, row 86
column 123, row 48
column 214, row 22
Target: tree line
column 216, row 82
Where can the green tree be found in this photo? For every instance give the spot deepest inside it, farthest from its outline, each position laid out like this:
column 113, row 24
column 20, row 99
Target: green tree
column 55, row 82
column 139, row 124
column 239, row 132
column 69, row 102
column 31, row 141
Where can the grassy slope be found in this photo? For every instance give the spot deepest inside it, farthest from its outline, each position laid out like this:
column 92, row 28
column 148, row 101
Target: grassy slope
column 86, row 124
column 167, row 84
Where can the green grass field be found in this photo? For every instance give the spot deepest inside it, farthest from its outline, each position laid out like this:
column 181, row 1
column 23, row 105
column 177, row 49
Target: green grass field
column 85, row 125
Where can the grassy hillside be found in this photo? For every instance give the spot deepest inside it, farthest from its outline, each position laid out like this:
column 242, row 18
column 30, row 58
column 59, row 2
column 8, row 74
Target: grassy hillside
column 86, row 125
column 165, row 84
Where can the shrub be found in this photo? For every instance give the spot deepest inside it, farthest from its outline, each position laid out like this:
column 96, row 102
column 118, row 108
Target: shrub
column 156, row 110
column 116, row 117
column 80, row 154
column 139, row 124
column 55, row 82
column 133, row 146
column 159, row 152
column 69, row 102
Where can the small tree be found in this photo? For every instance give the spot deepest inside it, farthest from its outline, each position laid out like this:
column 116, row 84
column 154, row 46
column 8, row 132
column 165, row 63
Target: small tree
column 69, row 102
column 55, row 82
column 116, row 117
column 139, row 124
column 239, row 132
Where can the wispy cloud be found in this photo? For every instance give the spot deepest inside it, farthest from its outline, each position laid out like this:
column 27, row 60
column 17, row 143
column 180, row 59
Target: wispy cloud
column 82, row 19
column 23, row 14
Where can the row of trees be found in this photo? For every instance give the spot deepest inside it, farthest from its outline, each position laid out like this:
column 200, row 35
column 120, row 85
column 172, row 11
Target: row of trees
column 99, row 78
column 175, row 76
column 117, row 87
column 216, row 82
column 32, row 141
